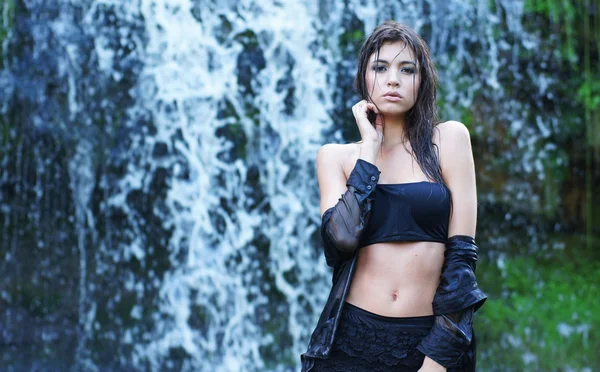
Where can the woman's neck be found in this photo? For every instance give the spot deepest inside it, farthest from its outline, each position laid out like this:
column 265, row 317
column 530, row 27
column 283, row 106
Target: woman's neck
column 393, row 133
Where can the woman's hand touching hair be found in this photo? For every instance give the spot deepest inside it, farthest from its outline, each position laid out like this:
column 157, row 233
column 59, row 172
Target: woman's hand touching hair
column 371, row 133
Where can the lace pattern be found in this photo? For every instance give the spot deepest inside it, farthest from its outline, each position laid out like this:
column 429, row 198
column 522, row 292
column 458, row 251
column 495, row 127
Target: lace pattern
column 365, row 343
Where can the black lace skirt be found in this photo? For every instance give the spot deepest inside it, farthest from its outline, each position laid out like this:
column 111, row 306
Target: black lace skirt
column 370, row 342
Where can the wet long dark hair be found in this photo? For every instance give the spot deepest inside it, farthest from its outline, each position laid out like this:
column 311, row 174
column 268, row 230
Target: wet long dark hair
column 420, row 120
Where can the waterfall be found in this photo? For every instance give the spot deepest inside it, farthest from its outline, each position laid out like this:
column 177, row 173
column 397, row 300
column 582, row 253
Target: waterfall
column 82, row 182
column 240, row 102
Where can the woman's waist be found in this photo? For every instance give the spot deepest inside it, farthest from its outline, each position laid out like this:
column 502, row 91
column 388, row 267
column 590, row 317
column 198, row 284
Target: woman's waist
column 408, row 301
column 397, row 279
column 392, row 265
column 353, row 312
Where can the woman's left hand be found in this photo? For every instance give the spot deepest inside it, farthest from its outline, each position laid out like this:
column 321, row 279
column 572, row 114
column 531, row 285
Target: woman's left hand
column 430, row 365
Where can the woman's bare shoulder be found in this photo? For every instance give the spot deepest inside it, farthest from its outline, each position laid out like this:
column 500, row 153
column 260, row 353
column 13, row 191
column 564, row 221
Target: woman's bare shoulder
column 451, row 136
column 450, row 132
column 339, row 149
column 454, row 144
column 337, row 155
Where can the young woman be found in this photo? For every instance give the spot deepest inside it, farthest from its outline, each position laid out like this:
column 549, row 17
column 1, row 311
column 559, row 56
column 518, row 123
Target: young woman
column 398, row 213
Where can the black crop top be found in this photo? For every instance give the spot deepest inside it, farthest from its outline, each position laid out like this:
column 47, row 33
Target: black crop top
column 416, row 211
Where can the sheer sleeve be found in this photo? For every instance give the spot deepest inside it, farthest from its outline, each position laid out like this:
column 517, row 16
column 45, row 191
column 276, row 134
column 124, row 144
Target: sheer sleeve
column 456, row 300
column 343, row 224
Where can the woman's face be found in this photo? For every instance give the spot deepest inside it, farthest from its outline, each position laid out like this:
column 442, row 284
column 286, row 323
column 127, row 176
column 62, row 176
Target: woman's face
column 392, row 78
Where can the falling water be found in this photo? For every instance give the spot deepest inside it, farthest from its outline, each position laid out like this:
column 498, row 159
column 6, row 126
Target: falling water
column 240, row 103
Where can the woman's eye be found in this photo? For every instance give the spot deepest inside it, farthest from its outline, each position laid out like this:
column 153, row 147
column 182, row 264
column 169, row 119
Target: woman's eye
column 408, row 70
column 379, row 68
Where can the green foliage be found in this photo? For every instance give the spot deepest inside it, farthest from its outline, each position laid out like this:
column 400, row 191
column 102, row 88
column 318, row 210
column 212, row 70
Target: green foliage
column 464, row 114
column 247, row 38
column 589, row 93
column 541, row 314
column 350, row 36
column 577, row 29
column 563, row 14
column 555, row 173
column 7, row 13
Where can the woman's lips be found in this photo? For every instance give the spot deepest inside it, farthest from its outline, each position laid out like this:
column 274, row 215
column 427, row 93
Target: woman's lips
column 392, row 98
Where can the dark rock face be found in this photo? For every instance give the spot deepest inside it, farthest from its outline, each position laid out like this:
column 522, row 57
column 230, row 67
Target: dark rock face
column 66, row 135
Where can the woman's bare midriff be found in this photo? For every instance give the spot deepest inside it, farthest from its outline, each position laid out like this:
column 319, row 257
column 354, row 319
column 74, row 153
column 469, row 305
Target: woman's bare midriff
column 397, row 279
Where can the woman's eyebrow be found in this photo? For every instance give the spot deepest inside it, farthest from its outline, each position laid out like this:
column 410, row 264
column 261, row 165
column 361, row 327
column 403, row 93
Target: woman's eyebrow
column 402, row 63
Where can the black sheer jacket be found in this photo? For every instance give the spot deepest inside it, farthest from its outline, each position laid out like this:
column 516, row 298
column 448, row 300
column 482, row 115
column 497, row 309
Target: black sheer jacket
column 455, row 301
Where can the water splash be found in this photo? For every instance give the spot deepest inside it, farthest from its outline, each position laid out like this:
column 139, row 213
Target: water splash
column 242, row 218
column 82, row 183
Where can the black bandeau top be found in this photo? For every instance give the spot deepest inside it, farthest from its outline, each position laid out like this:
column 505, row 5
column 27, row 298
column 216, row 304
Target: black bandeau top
column 408, row 212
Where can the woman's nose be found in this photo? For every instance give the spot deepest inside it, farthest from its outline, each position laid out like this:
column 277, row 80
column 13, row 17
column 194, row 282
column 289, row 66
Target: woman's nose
column 393, row 81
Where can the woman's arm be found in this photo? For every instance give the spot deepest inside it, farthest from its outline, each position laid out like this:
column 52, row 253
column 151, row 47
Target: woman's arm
column 457, row 296
column 345, row 204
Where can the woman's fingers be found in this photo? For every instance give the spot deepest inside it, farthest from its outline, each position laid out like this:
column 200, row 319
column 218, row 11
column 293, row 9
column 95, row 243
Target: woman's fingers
column 368, row 130
column 371, row 106
column 362, row 107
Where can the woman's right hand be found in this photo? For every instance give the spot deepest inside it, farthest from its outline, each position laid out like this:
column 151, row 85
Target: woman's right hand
column 372, row 135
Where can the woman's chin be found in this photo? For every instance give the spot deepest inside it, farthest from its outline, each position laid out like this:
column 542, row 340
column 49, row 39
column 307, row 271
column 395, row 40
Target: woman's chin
column 392, row 109
column 393, row 113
